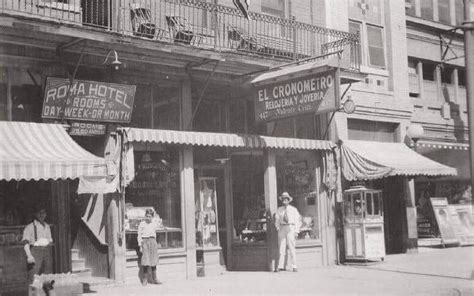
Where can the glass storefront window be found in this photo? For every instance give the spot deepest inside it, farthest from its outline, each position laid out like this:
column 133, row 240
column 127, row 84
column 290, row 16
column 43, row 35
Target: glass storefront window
column 156, row 185
column 248, row 199
column 296, row 175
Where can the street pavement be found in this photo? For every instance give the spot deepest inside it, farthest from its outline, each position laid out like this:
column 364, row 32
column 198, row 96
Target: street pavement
column 445, row 272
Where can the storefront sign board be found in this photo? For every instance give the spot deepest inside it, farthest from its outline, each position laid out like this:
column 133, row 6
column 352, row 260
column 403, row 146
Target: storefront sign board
column 314, row 93
column 88, row 100
column 443, row 219
column 87, row 129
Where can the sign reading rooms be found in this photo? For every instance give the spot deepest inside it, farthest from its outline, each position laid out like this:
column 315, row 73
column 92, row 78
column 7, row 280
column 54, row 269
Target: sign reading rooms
column 315, row 93
column 88, row 100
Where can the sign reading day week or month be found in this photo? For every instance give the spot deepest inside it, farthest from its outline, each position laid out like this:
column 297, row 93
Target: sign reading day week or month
column 88, row 100
column 315, row 93
column 87, row 129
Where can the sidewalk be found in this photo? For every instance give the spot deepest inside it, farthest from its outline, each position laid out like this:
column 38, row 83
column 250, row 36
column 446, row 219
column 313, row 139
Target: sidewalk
column 432, row 272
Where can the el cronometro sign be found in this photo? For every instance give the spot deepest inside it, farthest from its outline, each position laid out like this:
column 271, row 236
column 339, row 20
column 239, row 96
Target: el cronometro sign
column 314, row 93
column 88, row 100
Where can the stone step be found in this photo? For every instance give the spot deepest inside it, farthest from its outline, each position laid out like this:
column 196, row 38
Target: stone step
column 85, row 272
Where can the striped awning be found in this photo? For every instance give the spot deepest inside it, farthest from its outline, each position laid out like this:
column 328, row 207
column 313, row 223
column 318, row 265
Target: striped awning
column 34, row 151
column 366, row 160
column 222, row 139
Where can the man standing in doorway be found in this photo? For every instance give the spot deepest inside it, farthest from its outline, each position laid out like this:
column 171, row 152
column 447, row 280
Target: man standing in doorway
column 37, row 240
column 287, row 222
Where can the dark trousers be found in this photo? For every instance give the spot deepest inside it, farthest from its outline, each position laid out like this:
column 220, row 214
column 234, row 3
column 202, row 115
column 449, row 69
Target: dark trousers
column 43, row 262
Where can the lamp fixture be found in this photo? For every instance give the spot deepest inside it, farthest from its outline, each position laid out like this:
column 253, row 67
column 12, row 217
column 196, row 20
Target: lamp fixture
column 116, row 64
column 415, row 131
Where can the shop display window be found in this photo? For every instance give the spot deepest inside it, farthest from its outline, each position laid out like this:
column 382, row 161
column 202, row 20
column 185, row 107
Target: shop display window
column 207, row 230
column 296, row 175
column 156, row 185
column 250, row 224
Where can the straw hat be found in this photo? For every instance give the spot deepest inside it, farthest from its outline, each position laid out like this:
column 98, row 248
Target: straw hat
column 285, row 195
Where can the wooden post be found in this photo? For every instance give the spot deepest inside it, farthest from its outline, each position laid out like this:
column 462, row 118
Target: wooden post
column 187, row 182
column 187, row 197
column 229, row 218
column 271, row 205
column 116, row 243
column 62, row 230
column 412, row 227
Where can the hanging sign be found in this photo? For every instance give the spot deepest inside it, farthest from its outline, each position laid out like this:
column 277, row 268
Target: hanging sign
column 88, row 100
column 87, row 129
column 315, row 93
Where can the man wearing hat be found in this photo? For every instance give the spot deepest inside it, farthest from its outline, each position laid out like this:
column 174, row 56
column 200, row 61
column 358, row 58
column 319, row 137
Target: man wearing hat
column 287, row 222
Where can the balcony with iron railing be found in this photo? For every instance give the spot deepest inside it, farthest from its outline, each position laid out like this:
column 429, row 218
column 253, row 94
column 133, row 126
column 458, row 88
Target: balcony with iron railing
column 197, row 24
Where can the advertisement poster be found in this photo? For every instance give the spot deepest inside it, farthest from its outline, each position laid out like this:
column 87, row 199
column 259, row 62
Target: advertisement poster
column 443, row 219
column 462, row 223
column 316, row 93
column 88, row 101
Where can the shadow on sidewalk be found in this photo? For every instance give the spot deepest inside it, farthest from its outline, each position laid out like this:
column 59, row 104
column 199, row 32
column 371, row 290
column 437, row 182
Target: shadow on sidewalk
column 411, row 272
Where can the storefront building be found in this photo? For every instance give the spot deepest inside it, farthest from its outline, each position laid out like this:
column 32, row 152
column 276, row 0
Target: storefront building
column 39, row 164
column 200, row 156
column 216, row 192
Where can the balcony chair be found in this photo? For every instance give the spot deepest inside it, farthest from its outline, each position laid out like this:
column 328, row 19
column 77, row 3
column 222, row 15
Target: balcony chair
column 181, row 31
column 142, row 24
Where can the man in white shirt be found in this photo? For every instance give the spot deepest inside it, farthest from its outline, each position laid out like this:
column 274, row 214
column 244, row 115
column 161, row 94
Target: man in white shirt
column 37, row 242
column 287, row 222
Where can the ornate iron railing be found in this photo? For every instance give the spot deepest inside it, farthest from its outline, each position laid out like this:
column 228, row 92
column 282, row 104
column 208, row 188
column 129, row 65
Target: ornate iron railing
column 199, row 24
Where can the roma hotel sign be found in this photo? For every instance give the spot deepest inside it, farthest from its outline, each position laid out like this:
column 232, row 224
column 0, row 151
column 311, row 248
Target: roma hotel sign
column 88, row 101
column 314, row 93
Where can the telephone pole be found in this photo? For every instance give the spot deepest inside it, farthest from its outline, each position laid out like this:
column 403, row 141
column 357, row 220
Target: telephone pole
column 468, row 29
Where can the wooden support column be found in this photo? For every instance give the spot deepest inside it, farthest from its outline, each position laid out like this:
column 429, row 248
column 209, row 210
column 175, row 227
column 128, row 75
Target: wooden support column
column 229, row 218
column 412, row 230
column 187, row 183
column 62, row 230
column 187, row 198
column 271, row 205
column 115, row 241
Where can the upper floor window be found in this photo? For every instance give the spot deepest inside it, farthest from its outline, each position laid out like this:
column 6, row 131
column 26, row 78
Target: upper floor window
column 410, row 7
column 429, row 71
column 274, row 7
column 375, row 45
column 461, row 77
column 426, row 7
column 444, row 12
column 447, row 75
column 367, row 20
